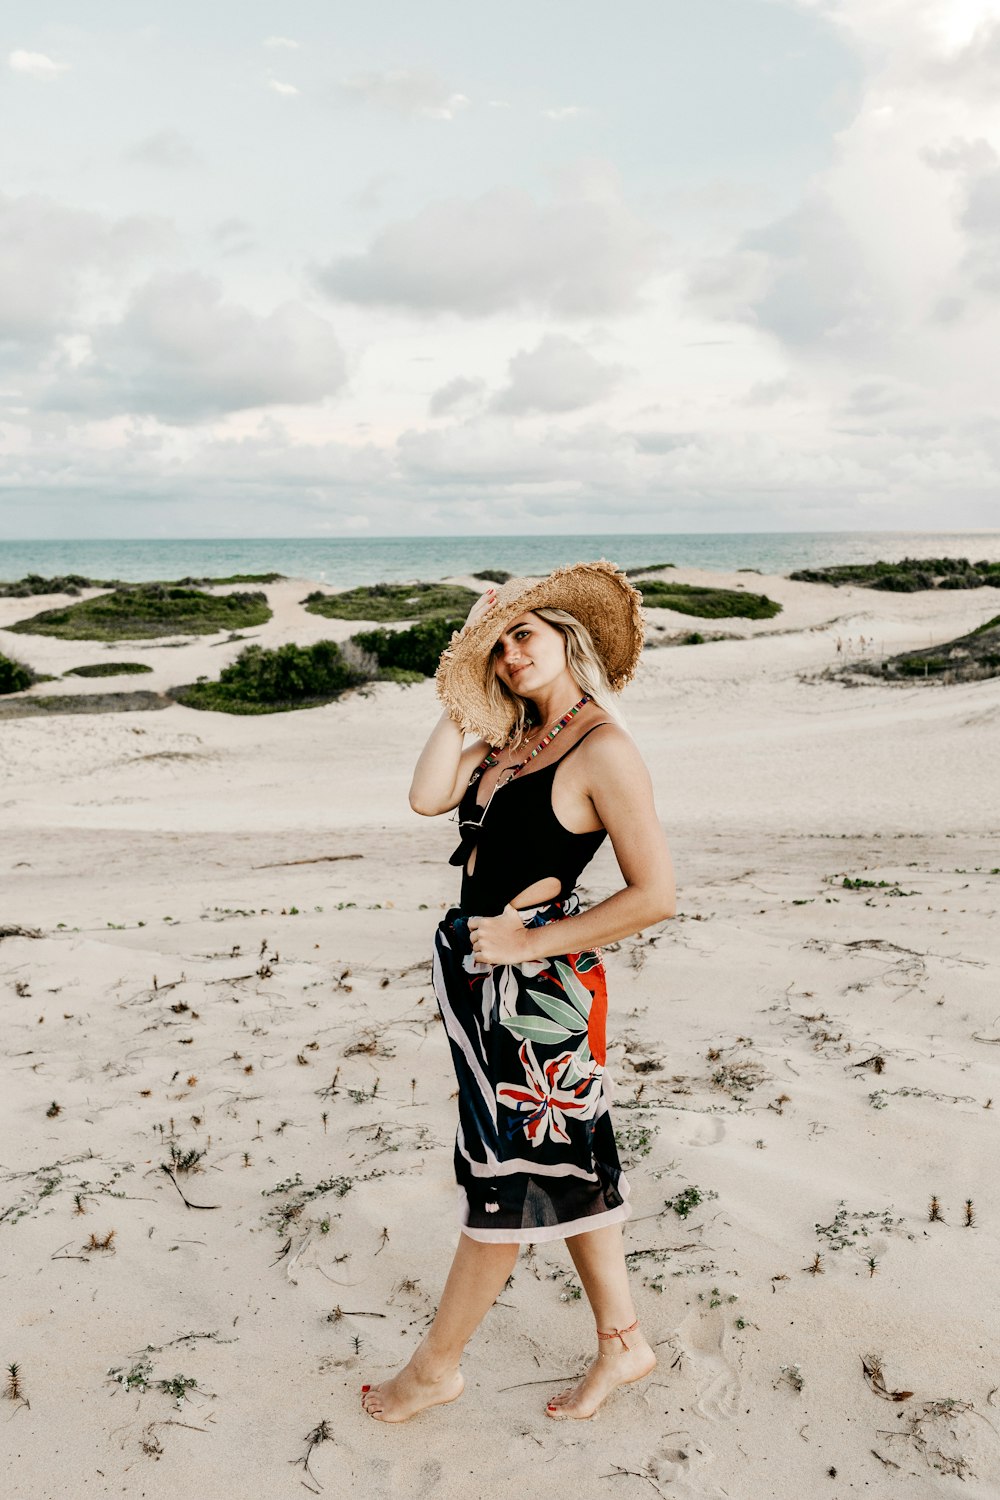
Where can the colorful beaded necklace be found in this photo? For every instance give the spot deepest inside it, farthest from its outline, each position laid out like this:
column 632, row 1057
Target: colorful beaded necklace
column 504, row 780
column 492, row 760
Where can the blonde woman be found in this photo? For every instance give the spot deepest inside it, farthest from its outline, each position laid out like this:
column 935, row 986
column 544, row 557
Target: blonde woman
column 518, row 976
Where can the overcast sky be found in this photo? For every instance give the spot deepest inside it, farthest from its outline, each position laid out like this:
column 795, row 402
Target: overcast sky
column 322, row 268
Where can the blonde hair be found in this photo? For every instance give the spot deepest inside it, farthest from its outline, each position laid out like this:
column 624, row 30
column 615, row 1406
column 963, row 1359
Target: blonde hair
column 583, row 663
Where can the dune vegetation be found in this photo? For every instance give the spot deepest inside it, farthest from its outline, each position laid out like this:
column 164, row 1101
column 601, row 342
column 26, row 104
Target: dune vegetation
column 908, row 576
column 263, row 681
column 392, row 601
column 415, row 651
column 708, row 603
column 107, row 669
column 15, row 676
column 147, row 611
column 968, row 658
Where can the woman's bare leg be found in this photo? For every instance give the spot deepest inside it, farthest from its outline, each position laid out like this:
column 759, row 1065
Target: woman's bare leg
column 599, row 1258
column 477, row 1277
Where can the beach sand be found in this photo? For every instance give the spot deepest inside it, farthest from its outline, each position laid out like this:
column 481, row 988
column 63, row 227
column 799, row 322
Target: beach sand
column 227, row 976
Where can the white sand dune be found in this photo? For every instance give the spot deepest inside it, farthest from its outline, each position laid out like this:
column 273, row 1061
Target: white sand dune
column 235, row 920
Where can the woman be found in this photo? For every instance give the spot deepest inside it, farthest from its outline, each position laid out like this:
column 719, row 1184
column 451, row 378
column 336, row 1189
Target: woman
column 517, row 972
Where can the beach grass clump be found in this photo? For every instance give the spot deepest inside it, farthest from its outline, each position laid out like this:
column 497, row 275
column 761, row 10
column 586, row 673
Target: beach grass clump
column 493, row 575
column 67, row 583
column 265, row 681
column 107, row 669
column 15, row 675
column 147, row 611
column 416, row 650
column 648, row 568
column 908, row 576
column 708, row 603
column 137, row 701
column 968, row 658
column 392, row 601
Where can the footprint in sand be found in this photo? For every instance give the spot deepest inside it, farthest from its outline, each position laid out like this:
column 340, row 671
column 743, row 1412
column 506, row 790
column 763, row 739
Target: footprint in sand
column 701, row 1339
column 680, row 1462
column 703, row 1130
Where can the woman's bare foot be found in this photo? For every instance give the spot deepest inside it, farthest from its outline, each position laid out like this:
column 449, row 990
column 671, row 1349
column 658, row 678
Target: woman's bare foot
column 614, row 1366
column 414, row 1389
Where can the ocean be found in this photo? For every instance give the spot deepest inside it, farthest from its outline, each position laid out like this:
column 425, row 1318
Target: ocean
column 344, row 562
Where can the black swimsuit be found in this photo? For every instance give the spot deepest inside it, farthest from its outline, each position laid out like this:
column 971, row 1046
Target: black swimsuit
column 519, row 840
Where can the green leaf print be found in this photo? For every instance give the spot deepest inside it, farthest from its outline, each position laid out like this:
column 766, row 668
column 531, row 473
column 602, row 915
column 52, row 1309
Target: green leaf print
column 575, row 991
column 559, row 1011
column 535, row 1029
column 587, row 961
column 580, row 1066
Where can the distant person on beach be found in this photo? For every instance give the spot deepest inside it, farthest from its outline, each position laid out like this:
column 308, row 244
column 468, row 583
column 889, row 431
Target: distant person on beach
column 518, row 976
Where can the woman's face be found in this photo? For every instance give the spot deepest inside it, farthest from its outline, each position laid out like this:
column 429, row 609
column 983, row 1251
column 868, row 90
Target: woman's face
column 530, row 654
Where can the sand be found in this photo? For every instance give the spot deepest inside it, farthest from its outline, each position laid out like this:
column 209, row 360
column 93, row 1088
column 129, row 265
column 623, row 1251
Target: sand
column 229, row 977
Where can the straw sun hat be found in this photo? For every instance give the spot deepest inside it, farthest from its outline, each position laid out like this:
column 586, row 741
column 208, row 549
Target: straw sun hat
column 597, row 593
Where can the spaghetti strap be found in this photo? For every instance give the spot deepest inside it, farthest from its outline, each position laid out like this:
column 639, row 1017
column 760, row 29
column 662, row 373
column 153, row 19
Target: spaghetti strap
column 576, row 743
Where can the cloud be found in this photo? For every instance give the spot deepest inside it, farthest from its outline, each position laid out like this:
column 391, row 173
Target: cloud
column 973, row 68
column 405, row 91
column 234, row 236
column 559, row 374
column 182, row 354
column 802, row 277
column 455, row 393
column 579, row 257
column 36, row 65
column 281, row 41
column 975, row 167
column 288, row 89
column 770, row 392
column 50, row 254
column 165, row 148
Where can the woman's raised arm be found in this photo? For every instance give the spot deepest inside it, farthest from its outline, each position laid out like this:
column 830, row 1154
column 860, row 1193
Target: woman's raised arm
column 443, row 769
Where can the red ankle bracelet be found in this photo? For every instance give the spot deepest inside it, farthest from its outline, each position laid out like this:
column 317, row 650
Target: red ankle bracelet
column 616, row 1333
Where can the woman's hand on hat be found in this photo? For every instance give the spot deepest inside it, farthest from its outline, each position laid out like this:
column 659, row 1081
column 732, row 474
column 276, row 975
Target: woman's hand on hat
column 500, row 940
column 482, row 604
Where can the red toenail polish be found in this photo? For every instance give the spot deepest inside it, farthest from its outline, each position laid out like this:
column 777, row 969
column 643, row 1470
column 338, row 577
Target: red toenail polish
column 365, row 1388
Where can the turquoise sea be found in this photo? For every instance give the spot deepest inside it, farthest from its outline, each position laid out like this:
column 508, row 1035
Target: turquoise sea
column 343, row 562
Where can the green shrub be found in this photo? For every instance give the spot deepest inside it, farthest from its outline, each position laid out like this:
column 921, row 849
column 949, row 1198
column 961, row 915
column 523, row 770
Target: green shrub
column 107, row 669
column 709, row 603
column 908, row 575
column 146, row 610
column 392, row 601
column 271, row 681
column 417, row 649
column 14, row 675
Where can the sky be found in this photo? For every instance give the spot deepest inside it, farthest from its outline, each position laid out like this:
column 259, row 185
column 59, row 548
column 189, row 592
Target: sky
column 322, row 269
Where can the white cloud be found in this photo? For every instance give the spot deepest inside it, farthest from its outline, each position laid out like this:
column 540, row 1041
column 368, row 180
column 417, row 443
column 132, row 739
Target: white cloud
column 454, row 393
column 182, row 354
column 564, row 112
column 406, row 91
column 278, row 87
column 49, row 256
column 558, row 375
column 36, row 65
column 165, row 148
column 281, row 41
column 579, row 257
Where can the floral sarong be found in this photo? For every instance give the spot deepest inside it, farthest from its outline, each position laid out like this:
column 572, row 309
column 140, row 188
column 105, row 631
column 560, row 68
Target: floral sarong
column 535, row 1153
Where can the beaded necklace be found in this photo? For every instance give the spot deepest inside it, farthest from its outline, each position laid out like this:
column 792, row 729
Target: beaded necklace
column 504, row 780
column 492, row 760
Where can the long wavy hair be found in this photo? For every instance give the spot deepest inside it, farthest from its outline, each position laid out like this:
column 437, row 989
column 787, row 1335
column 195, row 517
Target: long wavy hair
column 584, row 665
